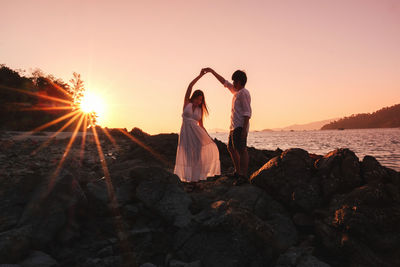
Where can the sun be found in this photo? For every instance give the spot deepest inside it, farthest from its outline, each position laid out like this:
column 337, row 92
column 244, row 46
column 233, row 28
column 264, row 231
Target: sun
column 92, row 103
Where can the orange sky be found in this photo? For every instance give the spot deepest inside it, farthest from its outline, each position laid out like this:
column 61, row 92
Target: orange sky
column 306, row 60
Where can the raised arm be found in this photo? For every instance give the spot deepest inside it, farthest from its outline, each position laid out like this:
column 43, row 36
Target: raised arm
column 190, row 87
column 221, row 79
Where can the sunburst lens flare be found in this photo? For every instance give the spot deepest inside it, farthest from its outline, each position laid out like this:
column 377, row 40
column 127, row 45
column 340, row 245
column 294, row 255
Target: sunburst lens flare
column 92, row 103
column 55, row 134
column 119, row 224
column 47, row 108
column 64, row 156
column 85, row 124
column 111, row 138
column 35, row 94
column 137, row 141
column 46, row 125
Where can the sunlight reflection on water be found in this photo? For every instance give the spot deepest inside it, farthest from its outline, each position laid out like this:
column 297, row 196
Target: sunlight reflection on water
column 383, row 144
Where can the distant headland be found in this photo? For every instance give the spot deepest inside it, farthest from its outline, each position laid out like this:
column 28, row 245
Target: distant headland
column 387, row 117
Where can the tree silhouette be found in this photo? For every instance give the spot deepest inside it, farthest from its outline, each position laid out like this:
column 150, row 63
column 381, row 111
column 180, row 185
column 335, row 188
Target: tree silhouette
column 77, row 89
column 21, row 111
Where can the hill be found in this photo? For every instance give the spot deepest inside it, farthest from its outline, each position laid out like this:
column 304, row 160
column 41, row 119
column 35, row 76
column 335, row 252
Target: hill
column 316, row 125
column 388, row 117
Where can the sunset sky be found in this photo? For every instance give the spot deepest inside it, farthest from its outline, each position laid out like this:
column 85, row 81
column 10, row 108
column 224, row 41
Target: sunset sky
column 306, row 60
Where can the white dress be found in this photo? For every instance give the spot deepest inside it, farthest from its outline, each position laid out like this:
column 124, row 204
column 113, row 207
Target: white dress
column 197, row 155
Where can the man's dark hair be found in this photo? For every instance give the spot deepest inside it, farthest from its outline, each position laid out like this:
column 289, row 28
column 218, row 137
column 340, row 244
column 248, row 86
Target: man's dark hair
column 240, row 76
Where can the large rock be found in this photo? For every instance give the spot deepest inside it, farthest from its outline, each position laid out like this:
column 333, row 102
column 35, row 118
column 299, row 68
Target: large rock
column 259, row 203
column 373, row 172
column 102, row 193
column 121, row 170
column 176, row 263
column 157, row 149
column 53, row 207
column 289, row 178
column 257, row 157
column 163, row 192
column 254, row 199
column 121, row 185
column 110, row 261
column 39, row 258
column 299, row 257
column 363, row 226
column 339, row 171
column 15, row 244
column 16, row 187
column 215, row 202
column 97, row 190
column 227, row 236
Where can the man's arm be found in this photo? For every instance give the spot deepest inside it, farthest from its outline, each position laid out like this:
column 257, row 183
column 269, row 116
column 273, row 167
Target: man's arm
column 245, row 101
column 221, row 79
column 245, row 125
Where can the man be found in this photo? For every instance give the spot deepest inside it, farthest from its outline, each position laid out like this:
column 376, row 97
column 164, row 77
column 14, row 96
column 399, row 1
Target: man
column 239, row 128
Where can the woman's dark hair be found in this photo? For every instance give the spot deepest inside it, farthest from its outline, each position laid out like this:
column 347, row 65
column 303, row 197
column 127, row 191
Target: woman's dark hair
column 240, row 76
column 204, row 109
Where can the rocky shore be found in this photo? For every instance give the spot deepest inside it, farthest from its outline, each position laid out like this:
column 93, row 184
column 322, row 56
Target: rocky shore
column 299, row 209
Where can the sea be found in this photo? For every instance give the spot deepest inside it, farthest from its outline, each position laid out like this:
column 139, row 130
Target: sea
column 383, row 144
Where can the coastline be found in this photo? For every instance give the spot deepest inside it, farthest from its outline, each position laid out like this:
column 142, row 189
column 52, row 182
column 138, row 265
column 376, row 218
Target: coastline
column 381, row 143
column 323, row 210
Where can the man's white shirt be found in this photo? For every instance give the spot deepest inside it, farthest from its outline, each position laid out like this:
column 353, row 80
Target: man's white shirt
column 240, row 106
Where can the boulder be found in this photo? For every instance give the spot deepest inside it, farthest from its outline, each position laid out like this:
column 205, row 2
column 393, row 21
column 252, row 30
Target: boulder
column 15, row 244
column 257, row 157
column 39, row 258
column 162, row 192
column 16, row 187
column 258, row 202
column 176, row 263
column 364, row 225
column 53, row 208
column 254, row 199
column 138, row 133
column 373, row 172
column 289, row 179
column 339, row 171
column 97, row 190
column 299, row 257
column 110, row 261
column 225, row 235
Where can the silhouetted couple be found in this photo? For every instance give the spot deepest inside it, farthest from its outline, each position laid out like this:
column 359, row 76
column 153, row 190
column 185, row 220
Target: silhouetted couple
column 197, row 155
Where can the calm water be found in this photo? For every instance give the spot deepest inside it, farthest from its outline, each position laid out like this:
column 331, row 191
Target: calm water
column 383, row 144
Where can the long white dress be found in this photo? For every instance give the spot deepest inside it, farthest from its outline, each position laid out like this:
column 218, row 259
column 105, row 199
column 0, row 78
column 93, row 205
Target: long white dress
column 197, row 155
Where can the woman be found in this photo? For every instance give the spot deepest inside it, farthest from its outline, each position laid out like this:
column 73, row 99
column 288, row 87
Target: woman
column 197, row 155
